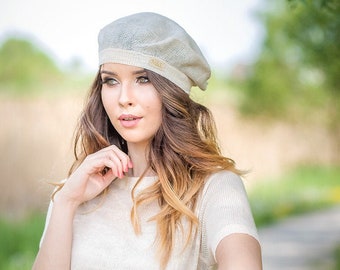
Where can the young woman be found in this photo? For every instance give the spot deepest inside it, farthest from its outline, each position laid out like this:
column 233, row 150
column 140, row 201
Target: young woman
column 149, row 188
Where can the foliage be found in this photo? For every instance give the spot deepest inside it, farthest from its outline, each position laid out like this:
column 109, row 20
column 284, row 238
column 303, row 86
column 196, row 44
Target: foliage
column 27, row 70
column 316, row 31
column 299, row 65
column 25, row 67
column 218, row 92
column 19, row 242
column 302, row 190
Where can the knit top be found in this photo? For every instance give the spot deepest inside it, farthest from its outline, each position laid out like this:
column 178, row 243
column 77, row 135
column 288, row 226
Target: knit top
column 103, row 236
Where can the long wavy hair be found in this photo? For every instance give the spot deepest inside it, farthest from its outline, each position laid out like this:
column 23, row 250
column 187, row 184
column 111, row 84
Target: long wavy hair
column 183, row 153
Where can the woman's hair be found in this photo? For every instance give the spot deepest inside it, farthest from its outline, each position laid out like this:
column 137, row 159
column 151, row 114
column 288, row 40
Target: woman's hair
column 183, row 153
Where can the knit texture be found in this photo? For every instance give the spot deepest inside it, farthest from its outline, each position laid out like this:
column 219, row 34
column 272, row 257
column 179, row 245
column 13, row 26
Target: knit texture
column 154, row 42
column 103, row 236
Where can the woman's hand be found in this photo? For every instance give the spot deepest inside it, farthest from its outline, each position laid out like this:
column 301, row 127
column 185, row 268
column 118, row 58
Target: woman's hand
column 95, row 173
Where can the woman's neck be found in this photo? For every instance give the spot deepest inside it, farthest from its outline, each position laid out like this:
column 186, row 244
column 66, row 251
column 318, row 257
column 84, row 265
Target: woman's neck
column 138, row 155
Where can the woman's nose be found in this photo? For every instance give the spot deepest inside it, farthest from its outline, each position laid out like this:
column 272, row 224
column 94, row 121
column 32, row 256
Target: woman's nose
column 126, row 97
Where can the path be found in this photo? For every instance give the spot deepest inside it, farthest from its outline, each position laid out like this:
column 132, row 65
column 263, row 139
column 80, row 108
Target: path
column 302, row 242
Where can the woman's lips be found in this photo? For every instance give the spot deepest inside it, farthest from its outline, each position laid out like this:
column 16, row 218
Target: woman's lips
column 129, row 120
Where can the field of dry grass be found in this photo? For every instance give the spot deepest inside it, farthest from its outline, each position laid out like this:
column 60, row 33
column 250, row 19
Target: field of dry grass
column 36, row 147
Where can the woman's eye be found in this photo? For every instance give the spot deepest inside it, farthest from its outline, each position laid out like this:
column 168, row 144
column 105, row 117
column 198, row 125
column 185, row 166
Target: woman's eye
column 109, row 81
column 143, row 79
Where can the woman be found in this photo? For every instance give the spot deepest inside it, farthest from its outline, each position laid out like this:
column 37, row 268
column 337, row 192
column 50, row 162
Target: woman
column 149, row 188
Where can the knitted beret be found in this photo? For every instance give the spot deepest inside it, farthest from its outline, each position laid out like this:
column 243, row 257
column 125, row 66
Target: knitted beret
column 154, row 42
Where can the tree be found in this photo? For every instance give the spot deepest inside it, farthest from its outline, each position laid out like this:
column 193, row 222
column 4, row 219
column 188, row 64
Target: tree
column 24, row 66
column 318, row 34
column 298, row 70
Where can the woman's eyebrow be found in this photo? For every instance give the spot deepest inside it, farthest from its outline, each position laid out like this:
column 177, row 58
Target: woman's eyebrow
column 107, row 72
column 140, row 71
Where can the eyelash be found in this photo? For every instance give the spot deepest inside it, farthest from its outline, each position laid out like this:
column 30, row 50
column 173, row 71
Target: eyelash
column 139, row 80
column 143, row 78
column 107, row 80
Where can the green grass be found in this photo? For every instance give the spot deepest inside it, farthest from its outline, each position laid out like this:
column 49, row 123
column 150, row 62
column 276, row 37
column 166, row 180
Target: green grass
column 19, row 242
column 336, row 255
column 302, row 190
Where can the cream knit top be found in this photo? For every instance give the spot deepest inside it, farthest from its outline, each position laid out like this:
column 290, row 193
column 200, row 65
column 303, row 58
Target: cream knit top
column 103, row 236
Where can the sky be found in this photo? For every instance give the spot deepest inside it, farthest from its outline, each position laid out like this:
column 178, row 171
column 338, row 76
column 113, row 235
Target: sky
column 227, row 31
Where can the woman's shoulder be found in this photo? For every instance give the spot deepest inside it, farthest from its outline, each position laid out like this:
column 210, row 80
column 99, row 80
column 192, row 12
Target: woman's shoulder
column 223, row 182
column 223, row 177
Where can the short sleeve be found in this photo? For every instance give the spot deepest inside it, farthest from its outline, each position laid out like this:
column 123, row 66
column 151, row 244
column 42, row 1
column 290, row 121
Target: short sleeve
column 224, row 210
column 48, row 217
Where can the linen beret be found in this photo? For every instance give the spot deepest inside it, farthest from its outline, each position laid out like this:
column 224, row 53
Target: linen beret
column 157, row 43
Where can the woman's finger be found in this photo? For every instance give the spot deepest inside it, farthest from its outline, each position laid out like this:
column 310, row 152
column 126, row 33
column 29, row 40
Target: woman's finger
column 121, row 159
column 124, row 158
column 110, row 159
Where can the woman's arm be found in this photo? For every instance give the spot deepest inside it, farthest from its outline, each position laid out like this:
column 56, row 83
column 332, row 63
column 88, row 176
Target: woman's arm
column 83, row 185
column 55, row 250
column 238, row 252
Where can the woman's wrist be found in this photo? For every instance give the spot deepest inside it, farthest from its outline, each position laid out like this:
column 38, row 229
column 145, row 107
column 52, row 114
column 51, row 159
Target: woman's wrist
column 62, row 200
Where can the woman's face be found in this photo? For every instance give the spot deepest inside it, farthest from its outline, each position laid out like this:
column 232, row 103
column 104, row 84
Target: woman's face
column 132, row 103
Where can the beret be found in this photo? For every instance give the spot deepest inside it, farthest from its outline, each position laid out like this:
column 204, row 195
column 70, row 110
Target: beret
column 157, row 43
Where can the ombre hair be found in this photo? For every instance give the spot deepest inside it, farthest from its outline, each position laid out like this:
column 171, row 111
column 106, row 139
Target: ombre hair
column 183, row 153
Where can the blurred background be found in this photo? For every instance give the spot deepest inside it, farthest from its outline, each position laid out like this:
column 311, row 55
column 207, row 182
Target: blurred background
column 274, row 92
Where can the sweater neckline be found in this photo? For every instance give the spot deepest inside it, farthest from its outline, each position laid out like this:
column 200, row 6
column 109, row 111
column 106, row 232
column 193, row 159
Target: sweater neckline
column 130, row 181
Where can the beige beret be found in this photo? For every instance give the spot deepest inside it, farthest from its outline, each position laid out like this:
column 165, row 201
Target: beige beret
column 154, row 42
